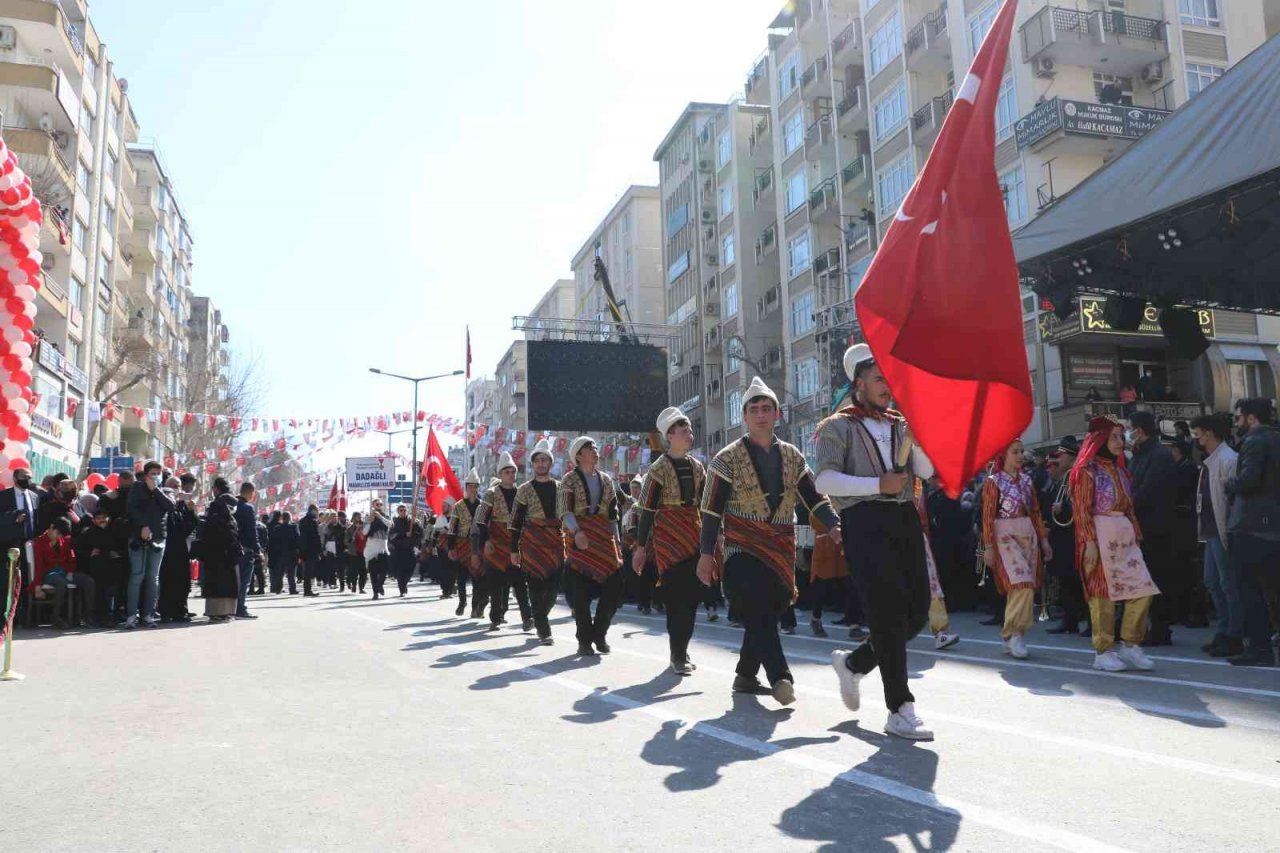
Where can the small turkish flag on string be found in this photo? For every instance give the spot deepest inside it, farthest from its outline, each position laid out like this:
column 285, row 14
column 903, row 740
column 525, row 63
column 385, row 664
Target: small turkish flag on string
column 213, row 421
column 235, row 424
column 73, row 406
column 137, row 412
column 164, row 416
column 188, row 419
column 940, row 305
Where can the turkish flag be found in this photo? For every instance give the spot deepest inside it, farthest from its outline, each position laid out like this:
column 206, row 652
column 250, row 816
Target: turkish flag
column 438, row 480
column 164, row 416
column 940, row 305
column 333, row 495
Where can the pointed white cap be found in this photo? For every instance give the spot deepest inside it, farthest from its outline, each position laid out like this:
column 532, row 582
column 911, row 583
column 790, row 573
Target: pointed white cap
column 473, row 479
column 670, row 417
column 577, row 444
column 855, row 355
column 543, row 447
column 505, row 461
column 757, row 388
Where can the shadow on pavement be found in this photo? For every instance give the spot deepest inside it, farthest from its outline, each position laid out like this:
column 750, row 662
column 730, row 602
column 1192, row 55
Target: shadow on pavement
column 598, row 707
column 702, row 758
column 457, row 659
column 548, row 669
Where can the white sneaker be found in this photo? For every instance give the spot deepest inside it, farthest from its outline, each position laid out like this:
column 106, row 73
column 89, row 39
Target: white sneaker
column 943, row 640
column 849, row 679
column 1135, row 657
column 1017, row 647
column 905, row 724
column 784, row 692
column 1109, row 661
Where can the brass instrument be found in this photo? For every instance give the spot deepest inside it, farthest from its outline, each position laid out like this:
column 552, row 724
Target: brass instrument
column 981, row 570
column 10, row 607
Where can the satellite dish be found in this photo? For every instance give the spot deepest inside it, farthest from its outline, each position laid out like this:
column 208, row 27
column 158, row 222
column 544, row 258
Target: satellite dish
column 46, row 123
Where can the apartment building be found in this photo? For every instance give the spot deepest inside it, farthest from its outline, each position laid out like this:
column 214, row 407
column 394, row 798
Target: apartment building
column 858, row 91
column 210, row 351
column 483, row 410
column 722, row 291
column 627, row 240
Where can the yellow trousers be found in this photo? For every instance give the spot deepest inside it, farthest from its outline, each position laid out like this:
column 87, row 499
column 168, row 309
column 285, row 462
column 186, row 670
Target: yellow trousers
column 938, row 618
column 1019, row 607
column 1133, row 629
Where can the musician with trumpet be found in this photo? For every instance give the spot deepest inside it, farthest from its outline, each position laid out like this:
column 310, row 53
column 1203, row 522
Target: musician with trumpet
column 1059, row 521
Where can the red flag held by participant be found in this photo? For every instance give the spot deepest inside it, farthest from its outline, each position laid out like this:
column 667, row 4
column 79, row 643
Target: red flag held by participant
column 940, row 305
column 438, row 480
column 333, row 495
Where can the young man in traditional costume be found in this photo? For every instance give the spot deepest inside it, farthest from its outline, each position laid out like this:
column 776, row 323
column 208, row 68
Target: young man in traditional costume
column 1108, row 550
column 868, row 464
column 588, row 509
column 670, row 524
column 1015, row 544
column 460, row 523
column 491, row 542
column 537, row 548
column 753, row 486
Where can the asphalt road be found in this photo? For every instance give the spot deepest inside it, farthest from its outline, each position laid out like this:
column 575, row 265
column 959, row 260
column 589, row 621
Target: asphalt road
column 339, row 723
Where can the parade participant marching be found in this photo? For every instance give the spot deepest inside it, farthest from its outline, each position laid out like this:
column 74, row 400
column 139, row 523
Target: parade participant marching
column 939, row 619
column 460, row 521
column 491, row 542
column 1055, row 506
column 588, row 509
column 537, row 548
column 1013, row 540
column 670, row 521
column 753, row 487
column 1107, row 548
column 868, row 464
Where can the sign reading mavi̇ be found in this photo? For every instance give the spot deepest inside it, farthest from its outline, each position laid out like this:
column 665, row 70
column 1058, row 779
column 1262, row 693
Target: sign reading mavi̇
column 371, row 472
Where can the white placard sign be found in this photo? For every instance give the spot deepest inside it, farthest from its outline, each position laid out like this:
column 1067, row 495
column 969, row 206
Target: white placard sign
column 371, row 472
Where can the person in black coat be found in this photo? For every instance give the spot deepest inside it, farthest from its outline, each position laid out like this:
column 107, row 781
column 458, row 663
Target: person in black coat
column 259, row 586
column 1059, row 521
column 219, row 551
column 175, row 568
column 401, row 542
column 282, row 546
column 310, row 547
column 1154, row 475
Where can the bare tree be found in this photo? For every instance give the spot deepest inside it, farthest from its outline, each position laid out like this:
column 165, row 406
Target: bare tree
column 131, row 360
column 46, row 182
column 232, row 398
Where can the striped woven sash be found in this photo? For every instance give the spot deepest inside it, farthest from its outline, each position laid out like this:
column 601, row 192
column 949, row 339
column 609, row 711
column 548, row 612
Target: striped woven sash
column 772, row 544
column 500, row 560
column 602, row 557
column 541, row 548
column 676, row 534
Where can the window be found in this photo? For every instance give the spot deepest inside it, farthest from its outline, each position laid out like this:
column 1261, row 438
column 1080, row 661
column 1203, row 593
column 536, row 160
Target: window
column 626, row 229
column 626, row 267
column 79, row 234
column 1006, row 109
column 1199, row 76
column 100, row 323
column 1122, row 85
column 113, row 163
column 978, row 26
column 893, row 183
column 74, row 351
column 101, row 268
column 1245, row 380
column 91, row 68
column 886, row 43
column 806, row 377
column 733, row 408
column 797, row 190
column 890, row 112
column 727, row 250
column 730, row 301
column 113, row 115
column 109, row 218
column 802, row 314
column 1014, row 186
column 1199, row 13
column 789, row 75
column 735, row 363
column 726, row 201
column 725, row 151
column 798, row 254
column 76, row 293
column 82, row 177
column 792, row 132
column 678, row 267
column 86, row 122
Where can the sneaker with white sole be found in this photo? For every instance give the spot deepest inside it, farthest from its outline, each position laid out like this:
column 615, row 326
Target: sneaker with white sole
column 849, row 680
column 943, row 640
column 1135, row 657
column 130, row 623
column 1017, row 647
column 784, row 691
column 1109, row 661
column 905, row 724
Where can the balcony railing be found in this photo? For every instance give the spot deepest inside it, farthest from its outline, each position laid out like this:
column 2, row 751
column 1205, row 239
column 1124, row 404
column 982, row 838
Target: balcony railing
column 1117, row 22
column 823, row 195
column 848, row 37
column 818, row 133
column 813, row 72
column 930, row 116
column 855, row 171
column 852, row 99
column 930, row 32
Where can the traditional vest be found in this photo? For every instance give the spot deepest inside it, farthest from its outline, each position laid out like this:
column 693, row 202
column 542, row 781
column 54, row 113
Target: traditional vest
column 541, row 548
column 847, row 446
column 602, row 557
column 460, row 526
column 527, row 496
column 494, row 513
column 677, row 527
column 573, row 498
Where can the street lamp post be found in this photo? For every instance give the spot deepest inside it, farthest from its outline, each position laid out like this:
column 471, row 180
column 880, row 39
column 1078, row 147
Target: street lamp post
column 415, row 381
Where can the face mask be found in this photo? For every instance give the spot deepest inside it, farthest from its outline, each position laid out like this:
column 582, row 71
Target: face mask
column 1128, row 436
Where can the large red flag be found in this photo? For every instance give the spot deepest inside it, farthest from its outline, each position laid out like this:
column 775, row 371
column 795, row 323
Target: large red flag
column 333, row 495
column 940, row 305
column 438, row 479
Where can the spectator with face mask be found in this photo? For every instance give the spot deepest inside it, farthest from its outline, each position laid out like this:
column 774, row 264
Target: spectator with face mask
column 148, row 513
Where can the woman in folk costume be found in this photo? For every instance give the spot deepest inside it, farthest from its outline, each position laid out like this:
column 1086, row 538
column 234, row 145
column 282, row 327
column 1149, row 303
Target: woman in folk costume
column 460, row 523
column 670, row 523
column 1107, row 548
column 491, row 542
column 1014, row 540
column 588, row 508
column 537, row 548
column 939, row 619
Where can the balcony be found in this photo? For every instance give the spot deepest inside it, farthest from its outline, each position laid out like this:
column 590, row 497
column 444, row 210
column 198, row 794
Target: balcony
column 818, row 136
column 1113, row 41
column 928, row 45
column 827, row 264
column 847, row 45
column 767, row 243
column 851, row 111
column 125, row 211
column 37, row 143
column 763, row 185
column 146, row 206
column 142, row 243
column 814, row 80
column 927, row 121
column 1084, row 127
column 758, row 82
column 711, row 341
column 824, row 201
column 58, row 38
column 759, row 135
column 34, row 83
column 857, row 174
column 124, row 266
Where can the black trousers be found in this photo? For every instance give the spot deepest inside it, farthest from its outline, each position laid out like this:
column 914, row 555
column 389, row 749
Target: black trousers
column 757, row 600
column 378, row 574
column 1071, row 596
column 542, row 597
column 403, row 564
column 501, row 586
column 1157, row 552
column 259, row 585
column 357, row 572
column 310, row 566
column 884, row 547
column 448, row 576
column 581, row 589
column 479, row 591
column 681, row 592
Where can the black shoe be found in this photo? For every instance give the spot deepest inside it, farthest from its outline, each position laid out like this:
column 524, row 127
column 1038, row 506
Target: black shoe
column 546, row 641
column 603, row 646
column 742, row 684
column 493, row 626
column 1253, row 657
column 526, row 625
column 585, row 650
column 858, row 633
column 311, row 595
column 1208, row 647
column 815, row 625
column 990, row 621
column 458, row 611
column 790, row 629
column 245, row 615
column 1228, row 647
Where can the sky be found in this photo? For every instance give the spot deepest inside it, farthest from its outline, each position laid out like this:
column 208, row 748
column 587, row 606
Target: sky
column 362, row 180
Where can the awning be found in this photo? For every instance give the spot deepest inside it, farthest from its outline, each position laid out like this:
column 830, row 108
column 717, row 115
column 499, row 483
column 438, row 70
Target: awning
column 1243, row 352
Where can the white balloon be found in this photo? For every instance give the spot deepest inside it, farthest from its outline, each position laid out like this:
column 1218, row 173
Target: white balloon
column 25, row 292
column 10, row 391
column 26, row 363
column 16, row 277
column 22, row 349
column 24, row 419
column 6, row 477
column 38, row 257
column 11, row 333
column 29, row 308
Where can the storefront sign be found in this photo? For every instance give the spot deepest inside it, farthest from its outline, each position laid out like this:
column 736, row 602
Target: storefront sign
column 1086, row 370
column 1037, row 124
column 1085, row 118
column 61, row 365
column 47, row 426
column 1091, row 319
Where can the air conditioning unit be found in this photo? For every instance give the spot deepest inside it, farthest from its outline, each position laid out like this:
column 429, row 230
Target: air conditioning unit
column 711, row 308
column 47, row 262
column 713, row 260
column 1153, row 73
column 1045, row 67
column 705, row 166
column 8, row 38
column 708, row 215
column 46, row 123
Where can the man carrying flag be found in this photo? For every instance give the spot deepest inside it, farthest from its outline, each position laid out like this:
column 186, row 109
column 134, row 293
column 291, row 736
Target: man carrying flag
column 942, row 282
